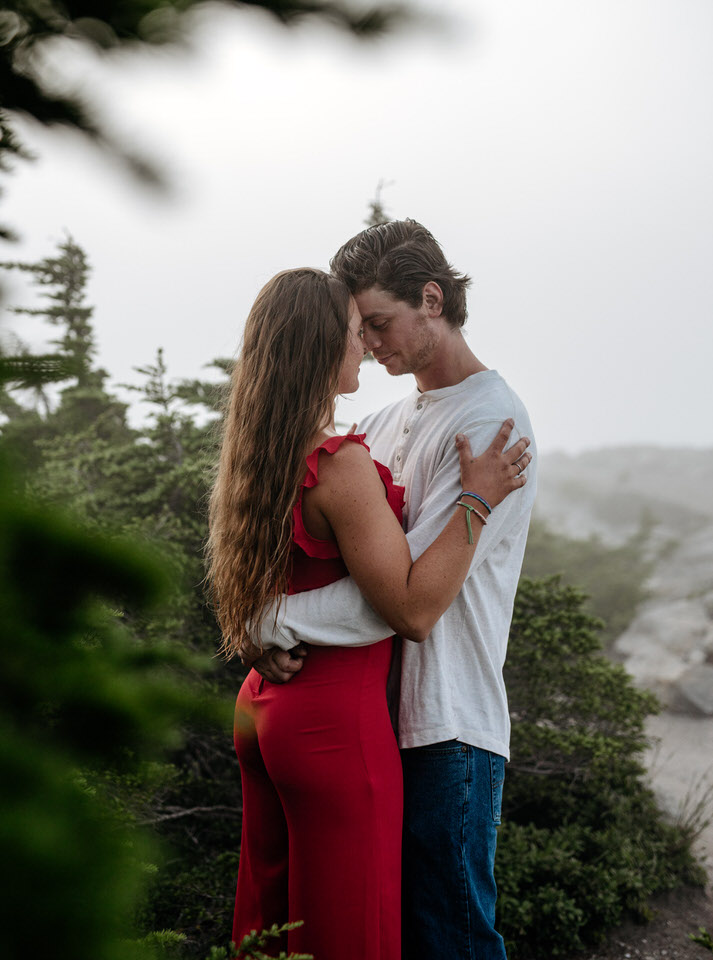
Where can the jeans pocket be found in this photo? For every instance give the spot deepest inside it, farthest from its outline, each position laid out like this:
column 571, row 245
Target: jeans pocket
column 497, row 778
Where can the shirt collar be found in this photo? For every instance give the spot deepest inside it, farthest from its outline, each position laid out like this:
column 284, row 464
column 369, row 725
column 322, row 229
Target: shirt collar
column 442, row 392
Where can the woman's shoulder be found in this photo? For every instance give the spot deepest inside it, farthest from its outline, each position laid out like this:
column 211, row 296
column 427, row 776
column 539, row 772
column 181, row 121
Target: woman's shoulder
column 347, row 460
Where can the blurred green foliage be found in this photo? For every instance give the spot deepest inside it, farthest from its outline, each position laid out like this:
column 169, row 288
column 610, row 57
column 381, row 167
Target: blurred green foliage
column 32, row 83
column 79, row 696
column 101, row 674
column 703, row 938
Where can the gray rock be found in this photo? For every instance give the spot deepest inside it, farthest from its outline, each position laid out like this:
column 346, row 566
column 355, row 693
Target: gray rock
column 694, row 691
column 612, row 494
column 678, row 626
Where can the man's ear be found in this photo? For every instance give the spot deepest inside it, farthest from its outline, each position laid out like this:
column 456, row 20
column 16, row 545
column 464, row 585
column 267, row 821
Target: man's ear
column 433, row 298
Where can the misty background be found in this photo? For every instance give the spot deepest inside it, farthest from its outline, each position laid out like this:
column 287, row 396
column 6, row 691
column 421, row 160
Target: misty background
column 560, row 152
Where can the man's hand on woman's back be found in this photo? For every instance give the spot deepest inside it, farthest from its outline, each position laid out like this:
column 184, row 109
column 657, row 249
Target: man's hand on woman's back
column 279, row 666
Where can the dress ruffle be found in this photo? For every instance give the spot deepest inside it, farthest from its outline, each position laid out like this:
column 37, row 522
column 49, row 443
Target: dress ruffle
column 329, row 549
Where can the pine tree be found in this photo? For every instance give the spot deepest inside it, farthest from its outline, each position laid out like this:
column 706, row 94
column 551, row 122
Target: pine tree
column 377, row 212
column 84, row 409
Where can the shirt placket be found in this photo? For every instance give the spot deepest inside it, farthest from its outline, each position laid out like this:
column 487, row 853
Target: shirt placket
column 405, row 438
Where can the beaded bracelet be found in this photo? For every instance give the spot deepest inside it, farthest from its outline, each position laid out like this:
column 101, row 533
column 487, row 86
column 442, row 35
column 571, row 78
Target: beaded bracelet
column 468, row 493
column 470, row 510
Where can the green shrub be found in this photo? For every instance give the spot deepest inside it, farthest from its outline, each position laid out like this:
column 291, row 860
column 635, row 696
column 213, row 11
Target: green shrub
column 78, row 697
column 583, row 842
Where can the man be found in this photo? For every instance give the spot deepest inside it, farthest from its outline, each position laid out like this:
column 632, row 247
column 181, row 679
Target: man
column 453, row 717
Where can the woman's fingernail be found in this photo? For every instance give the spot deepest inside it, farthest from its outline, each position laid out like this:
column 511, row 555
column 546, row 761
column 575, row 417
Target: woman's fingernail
column 459, row 437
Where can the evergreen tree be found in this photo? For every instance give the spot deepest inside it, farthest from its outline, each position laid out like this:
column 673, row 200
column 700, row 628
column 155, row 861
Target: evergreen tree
column 90, row 692
column 377, row 212
column 84, row 409
column 64, row 278
column 150, row 484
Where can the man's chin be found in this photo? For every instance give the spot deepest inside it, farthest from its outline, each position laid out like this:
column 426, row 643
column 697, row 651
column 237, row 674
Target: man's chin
column 393, row 367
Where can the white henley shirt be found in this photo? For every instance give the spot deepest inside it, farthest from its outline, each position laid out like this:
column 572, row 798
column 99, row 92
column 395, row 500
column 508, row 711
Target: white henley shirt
column 452, row 684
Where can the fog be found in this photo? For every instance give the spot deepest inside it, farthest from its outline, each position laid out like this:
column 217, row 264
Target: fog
column 560, row 152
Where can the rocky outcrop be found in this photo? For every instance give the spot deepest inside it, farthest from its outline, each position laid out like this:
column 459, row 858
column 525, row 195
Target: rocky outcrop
column 668, row 648
column 693, row 691
column 669, row 645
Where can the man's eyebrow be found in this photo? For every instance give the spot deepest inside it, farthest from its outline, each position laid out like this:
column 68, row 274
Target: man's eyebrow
column 371, row 316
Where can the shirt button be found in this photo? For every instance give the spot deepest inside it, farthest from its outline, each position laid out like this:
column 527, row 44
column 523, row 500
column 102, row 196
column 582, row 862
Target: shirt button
column 418, row 406
column 405, row 429
column 398, row 456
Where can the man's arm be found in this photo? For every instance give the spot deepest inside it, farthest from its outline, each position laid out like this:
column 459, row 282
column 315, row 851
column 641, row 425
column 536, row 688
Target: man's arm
column 335, row 615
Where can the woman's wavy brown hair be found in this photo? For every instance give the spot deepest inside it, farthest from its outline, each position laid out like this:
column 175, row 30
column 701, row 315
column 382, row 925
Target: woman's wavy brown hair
column 282, row 394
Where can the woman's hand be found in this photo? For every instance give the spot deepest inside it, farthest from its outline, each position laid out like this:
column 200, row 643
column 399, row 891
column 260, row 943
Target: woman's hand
column 497, row 472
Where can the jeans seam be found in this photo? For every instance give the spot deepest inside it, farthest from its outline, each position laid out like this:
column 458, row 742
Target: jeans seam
column 493, row 788
column 464, row 872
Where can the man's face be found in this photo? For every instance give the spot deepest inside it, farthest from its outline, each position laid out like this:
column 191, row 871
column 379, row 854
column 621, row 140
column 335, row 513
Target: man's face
column 402, row 338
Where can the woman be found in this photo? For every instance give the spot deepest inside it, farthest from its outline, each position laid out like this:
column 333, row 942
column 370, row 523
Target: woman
column 296, row 506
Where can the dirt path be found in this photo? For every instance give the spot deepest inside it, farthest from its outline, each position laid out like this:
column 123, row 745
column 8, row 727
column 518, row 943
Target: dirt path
column 678, row 914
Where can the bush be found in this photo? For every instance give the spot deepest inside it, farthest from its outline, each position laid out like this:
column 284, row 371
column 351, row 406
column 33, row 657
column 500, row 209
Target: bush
column 80, row 698
column 583, row 842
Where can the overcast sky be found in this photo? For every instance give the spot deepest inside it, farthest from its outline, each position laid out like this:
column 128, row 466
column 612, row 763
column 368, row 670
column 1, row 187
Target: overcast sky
column 561, row 152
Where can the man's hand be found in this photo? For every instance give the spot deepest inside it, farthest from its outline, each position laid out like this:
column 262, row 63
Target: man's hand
column 279, row 666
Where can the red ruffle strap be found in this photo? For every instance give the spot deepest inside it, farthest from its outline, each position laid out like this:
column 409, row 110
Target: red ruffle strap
column 324, row 549
column 329, row 446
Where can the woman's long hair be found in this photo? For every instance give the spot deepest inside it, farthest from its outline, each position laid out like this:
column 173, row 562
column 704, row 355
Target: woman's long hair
column 282, row 393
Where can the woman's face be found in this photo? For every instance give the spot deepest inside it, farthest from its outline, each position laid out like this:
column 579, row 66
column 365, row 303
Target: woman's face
column 349, row 374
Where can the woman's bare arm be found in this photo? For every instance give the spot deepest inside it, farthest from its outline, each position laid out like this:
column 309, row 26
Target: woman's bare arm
column 410, row 596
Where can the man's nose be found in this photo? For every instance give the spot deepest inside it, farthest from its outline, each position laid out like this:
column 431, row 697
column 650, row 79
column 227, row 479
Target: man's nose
column 371, row 341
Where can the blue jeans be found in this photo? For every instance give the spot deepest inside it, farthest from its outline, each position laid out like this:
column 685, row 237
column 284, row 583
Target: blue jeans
column 452, row 800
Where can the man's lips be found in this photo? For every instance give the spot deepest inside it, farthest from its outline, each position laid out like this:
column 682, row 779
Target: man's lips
column 384, row 359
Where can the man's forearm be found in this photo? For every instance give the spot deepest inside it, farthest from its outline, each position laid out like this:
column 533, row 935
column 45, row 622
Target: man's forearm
column 335, row 616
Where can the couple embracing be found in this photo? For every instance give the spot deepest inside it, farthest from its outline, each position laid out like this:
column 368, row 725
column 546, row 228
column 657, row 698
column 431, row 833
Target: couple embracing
column 383, row 852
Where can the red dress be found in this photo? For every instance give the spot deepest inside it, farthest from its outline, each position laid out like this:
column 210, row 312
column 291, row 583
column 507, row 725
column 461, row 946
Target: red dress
column 321, row 778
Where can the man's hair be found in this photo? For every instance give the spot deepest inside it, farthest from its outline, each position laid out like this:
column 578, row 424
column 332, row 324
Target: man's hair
column 401, row 256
